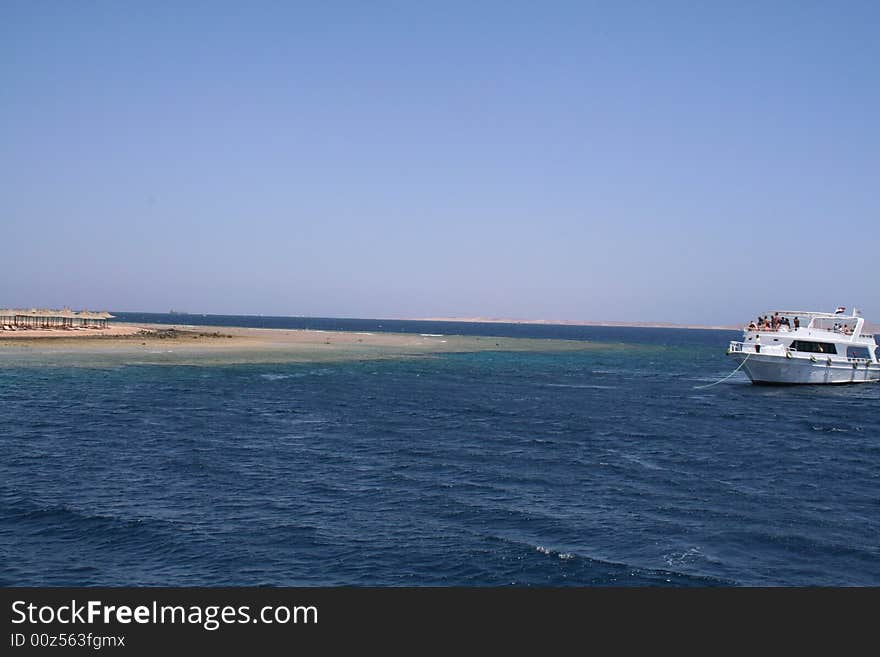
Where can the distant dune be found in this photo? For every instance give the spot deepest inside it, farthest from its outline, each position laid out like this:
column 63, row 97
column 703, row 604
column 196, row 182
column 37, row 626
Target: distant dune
column 869, row 327
column 565, row 322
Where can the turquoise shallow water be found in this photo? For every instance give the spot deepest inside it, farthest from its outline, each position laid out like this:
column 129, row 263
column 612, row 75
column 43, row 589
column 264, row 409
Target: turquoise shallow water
column 576, row 468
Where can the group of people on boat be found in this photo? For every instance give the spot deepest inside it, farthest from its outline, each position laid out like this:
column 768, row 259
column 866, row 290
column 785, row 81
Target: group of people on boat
column 774, row 323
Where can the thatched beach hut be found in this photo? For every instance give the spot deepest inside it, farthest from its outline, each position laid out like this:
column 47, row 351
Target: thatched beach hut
column 46, row 318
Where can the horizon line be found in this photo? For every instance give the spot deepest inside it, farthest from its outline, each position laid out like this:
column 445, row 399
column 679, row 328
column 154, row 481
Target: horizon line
column 465, row 320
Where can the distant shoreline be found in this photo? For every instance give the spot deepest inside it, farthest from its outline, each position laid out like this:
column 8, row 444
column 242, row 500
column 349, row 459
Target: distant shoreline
column 562, row 322
column 473, row 320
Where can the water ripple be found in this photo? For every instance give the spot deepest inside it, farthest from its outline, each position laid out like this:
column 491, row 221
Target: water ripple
column 585, row 468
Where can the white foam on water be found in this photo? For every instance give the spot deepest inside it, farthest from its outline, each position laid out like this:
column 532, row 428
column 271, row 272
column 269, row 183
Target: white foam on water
column 274, row 377
column 564, row 556
column 675, row 559
column 584, row 386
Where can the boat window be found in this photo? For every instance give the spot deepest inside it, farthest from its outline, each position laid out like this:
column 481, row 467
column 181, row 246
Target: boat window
column 814, row 347
column 857, row 352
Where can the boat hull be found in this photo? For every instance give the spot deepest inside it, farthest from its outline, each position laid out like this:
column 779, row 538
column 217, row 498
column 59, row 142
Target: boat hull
column 780, row 370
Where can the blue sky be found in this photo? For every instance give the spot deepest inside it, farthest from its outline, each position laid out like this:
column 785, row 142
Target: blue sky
column 566, row 160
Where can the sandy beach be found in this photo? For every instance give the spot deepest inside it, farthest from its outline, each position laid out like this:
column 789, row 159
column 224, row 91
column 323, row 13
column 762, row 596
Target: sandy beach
column 188, row 344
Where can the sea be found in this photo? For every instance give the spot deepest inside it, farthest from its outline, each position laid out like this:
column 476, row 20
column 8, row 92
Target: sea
column 609, row 466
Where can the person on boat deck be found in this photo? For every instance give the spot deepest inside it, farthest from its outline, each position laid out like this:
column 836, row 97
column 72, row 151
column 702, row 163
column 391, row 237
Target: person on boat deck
column 757, row 344
column 752, row 326
column 797, row 323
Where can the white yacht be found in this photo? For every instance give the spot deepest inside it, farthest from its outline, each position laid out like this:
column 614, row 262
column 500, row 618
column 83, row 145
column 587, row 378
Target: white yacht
column 808, row 347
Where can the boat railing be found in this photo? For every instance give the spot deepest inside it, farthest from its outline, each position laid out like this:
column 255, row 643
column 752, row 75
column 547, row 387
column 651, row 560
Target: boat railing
column 831, row 331
column 737, row 347
column 769, row 329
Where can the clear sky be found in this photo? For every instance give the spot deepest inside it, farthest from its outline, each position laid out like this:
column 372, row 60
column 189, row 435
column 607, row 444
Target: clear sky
column 665, row 161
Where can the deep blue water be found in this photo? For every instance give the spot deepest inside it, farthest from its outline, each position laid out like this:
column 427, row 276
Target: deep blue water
column 664, row 336
column 601, row 467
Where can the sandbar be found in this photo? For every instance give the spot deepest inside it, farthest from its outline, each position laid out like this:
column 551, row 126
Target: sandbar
column 194, row 345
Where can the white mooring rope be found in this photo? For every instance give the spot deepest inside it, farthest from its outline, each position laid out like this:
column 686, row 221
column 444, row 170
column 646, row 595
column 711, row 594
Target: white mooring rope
column 726, row 377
